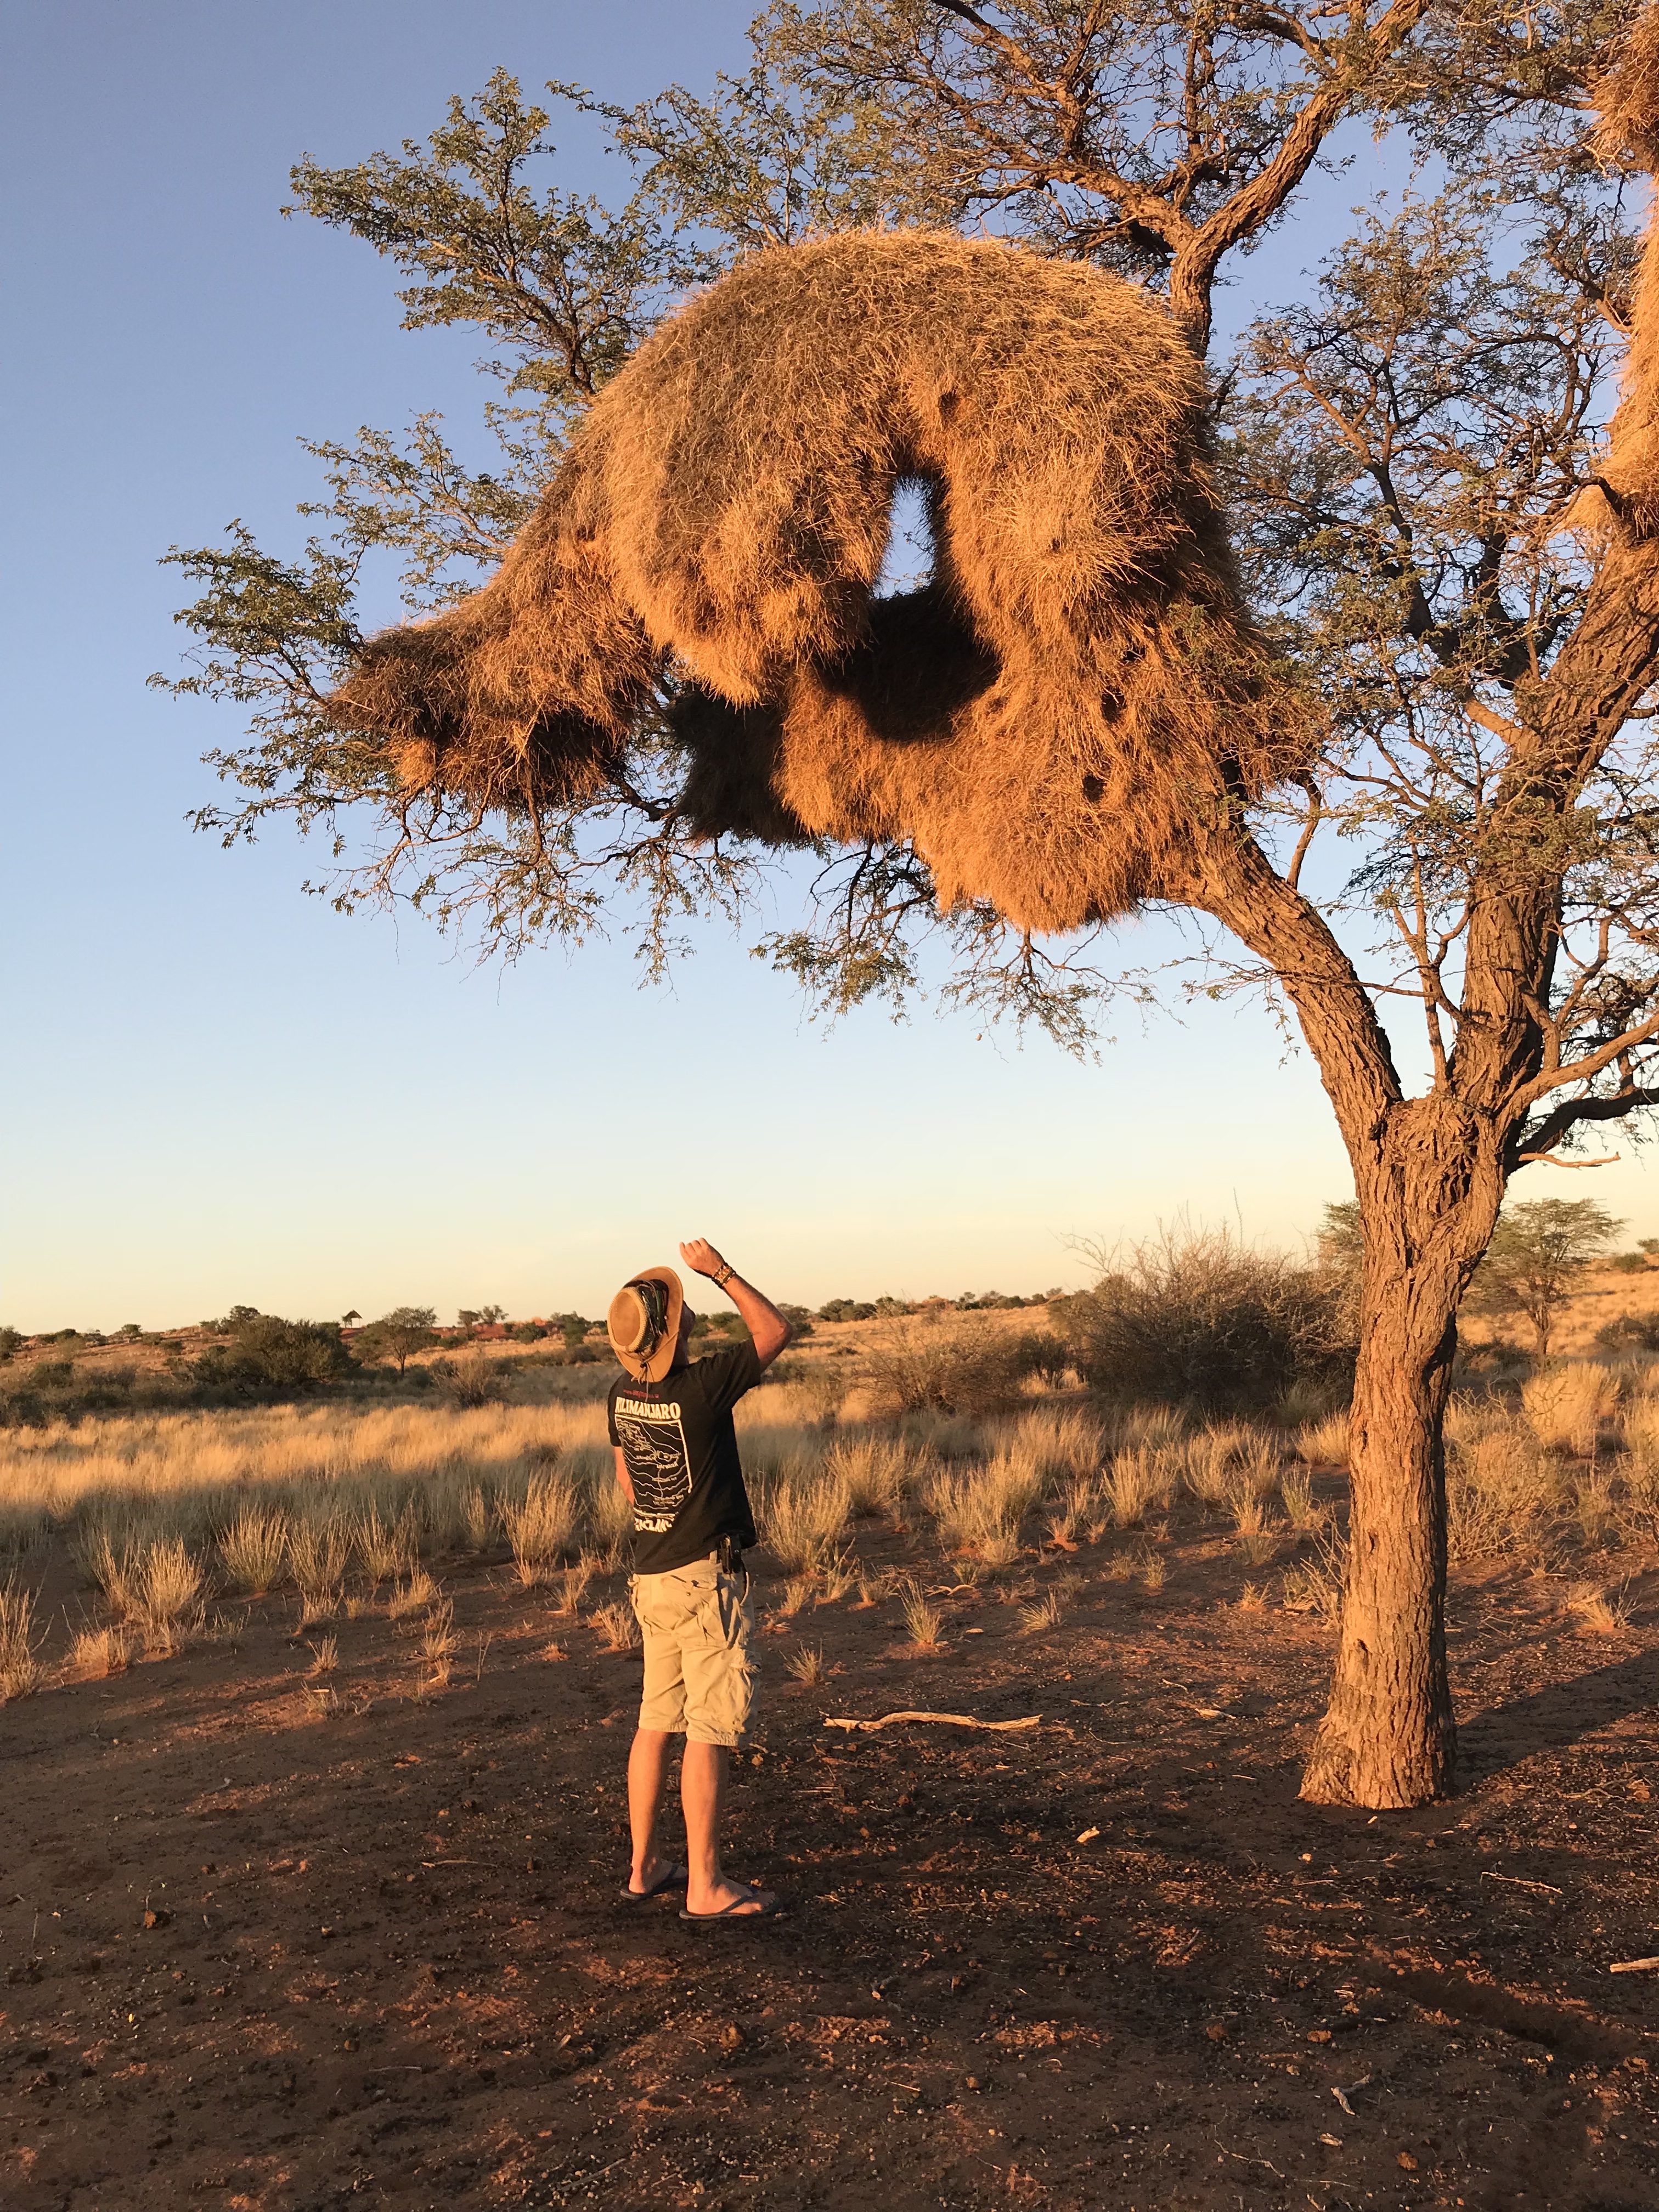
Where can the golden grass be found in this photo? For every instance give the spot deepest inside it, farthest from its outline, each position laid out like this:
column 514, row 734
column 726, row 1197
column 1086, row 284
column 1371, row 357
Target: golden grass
column 1139, row 1479
column 1305, row 1517
column 200, row 1469
column 542, row 1526
column 802, row 1514
column 254, row 1550
column 924, row 1622
column 1324, row 1443
column 1599, row 1611
column 615, row 1625
column 806, row 1666
column 341, row 1502
column 97, row 1653
column 1569, row 1406
column 20, row 1670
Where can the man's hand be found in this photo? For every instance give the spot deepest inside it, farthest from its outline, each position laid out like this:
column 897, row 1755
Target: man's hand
column 767, row 1326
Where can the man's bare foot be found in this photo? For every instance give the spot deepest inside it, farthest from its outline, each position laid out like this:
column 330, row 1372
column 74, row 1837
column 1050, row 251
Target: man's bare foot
column 732, row 1900
column 657, row 1874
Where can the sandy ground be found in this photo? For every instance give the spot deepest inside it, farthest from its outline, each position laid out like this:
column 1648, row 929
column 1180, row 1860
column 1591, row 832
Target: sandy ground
column 278, row 1940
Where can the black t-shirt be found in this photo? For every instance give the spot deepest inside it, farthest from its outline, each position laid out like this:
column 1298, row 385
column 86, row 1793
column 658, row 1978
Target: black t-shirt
column 681, row 1452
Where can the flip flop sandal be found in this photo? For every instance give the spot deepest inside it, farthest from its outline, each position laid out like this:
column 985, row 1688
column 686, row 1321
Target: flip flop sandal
column 735, row 1910
column 676, row 1878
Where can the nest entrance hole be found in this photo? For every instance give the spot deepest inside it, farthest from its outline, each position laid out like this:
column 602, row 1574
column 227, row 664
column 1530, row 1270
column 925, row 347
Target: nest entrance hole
column 910, row 562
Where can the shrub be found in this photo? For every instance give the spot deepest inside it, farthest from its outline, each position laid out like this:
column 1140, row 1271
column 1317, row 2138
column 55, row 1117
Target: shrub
column 968, row 1367
column 267, row 1352
column 475, row 1381
column 1196, row 1315
column 1630, row 1332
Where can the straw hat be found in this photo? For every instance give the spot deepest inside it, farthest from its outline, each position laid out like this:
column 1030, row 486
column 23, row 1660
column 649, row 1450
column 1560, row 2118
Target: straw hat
column 643, row 1323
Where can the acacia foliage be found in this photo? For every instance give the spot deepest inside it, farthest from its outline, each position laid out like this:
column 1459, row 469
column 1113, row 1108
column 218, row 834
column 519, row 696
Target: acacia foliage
column 1537, row 1257
column 1403, row 440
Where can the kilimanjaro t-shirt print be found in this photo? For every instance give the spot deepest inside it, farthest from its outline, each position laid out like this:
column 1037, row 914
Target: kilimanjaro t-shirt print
column 653, row 1436
column 681, row 1452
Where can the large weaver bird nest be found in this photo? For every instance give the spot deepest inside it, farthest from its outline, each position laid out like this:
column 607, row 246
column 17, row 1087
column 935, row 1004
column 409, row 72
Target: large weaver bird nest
column 1046, row 720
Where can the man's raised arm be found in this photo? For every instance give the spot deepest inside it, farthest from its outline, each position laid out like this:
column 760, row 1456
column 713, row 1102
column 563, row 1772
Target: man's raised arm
column 765, row 1324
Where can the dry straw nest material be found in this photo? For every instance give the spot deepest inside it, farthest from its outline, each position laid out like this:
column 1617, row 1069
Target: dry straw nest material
column 1046, row 720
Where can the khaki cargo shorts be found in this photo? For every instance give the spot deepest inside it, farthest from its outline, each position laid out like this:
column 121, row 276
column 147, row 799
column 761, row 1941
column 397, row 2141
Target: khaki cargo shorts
column 698, row 1625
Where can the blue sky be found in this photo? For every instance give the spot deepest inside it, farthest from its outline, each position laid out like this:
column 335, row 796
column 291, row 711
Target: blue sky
column 219, row 1089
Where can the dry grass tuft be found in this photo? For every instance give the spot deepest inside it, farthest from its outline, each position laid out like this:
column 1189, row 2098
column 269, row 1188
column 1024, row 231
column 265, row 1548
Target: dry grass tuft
column 438, row 1642
column 325, row 1654
column 318, row 1551
column 981, row 1509
column 20, row 1670
column 610, row 1520
column 876, row 1474
column 1500, row 1489
column 1599, row 1611
column 1314, row 1585
column 478, row 1517
column 387, row 1549
column 542, row 1526
column 572, row 1587
column 170, row 1597
column 255, row 1549
column 1139, row 1479
column 806, row 1666
column 98, row 1653
column 411, row 1596
column 615, row 1625
column 1569, row 1406
column 1036, row 1619
column 803, row 1514
column 1305, row 1515
column 1074, row 1513
column 796, row 1592
column 924, row 1622
column 1324, row 1443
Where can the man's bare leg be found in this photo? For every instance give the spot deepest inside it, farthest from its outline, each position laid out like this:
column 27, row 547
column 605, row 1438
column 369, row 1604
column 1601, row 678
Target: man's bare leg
column 703, row 1789
column 648, row 1783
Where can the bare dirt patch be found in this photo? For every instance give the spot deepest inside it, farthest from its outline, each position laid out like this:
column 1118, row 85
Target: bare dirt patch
column 276, row 1937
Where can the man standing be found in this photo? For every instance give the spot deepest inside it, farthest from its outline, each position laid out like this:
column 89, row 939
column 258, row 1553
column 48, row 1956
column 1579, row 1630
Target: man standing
column 677, row 1458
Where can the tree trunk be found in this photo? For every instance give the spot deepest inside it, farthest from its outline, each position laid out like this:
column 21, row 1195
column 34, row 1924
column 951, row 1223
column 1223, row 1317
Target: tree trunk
column 1389, row 1738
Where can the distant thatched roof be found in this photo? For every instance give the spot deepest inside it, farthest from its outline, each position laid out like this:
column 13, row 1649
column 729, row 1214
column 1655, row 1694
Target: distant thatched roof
column 1044, row 719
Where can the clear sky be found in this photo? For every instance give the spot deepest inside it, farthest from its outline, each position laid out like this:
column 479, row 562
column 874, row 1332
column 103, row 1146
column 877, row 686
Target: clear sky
column 215, row 1089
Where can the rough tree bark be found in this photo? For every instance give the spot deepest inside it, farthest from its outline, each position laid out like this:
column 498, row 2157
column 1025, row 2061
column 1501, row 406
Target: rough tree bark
column 1431, row 1173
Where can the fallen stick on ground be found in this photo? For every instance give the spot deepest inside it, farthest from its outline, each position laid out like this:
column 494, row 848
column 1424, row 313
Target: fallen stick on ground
column 951, row 1720
column 1633, row 1965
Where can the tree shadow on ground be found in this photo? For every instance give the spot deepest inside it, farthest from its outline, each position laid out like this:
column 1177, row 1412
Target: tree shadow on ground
column 1559, row 1714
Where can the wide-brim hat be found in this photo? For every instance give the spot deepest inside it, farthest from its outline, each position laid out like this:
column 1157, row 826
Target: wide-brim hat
column 643, row 1323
